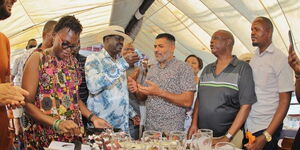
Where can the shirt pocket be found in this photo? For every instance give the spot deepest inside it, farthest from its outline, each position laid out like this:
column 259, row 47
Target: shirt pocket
column 263, row 76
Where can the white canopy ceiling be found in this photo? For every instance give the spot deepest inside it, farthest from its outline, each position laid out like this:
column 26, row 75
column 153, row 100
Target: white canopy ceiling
column 191, row 21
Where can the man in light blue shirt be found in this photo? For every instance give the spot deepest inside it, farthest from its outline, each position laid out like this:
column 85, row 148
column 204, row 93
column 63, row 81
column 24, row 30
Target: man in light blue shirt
column 106, row 80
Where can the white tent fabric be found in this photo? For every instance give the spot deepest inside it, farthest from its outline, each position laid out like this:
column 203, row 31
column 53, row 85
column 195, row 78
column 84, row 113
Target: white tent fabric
column 28, row 18
column 194, row 21
column 191, row 21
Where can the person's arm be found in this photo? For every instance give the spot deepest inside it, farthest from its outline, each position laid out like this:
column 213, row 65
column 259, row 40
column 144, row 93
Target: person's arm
column 294, row 62
column 185, row 99
column 285, row 86
column 240, row 119
column 297, row 89
column 98, row 77
column 98, row 122
column 134, row 75
column 284, row 103
column 30, row 83
column 186, row 83
column 194, row 125
column 237, row 123
column 283, row 106
column 133, row 87
column 12, row 95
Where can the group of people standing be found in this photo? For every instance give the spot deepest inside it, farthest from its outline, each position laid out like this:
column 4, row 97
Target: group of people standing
column 230, row 95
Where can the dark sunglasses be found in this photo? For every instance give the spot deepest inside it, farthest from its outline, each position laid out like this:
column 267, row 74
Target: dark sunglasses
column 66, row 45
column 31, row 46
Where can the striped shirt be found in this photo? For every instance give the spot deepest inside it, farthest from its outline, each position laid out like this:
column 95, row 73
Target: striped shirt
column 222, row 95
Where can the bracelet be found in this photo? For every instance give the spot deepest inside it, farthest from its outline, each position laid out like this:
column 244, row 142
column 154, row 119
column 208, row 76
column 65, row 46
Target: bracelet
column 90, row 117
column 55, row 125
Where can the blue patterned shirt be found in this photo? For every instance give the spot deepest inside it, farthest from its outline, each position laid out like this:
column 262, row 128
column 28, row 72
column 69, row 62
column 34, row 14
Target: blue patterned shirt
column 108, row 93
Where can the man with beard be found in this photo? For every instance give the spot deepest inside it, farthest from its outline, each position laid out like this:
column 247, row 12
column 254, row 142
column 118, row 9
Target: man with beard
column 8, row 94
column 274, row 84
column 170, row 88
column 106, row 80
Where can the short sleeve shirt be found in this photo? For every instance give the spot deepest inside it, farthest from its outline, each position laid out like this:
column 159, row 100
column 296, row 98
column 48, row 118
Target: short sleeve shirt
column 176, row 77
column 272, row 75
column 221, row 96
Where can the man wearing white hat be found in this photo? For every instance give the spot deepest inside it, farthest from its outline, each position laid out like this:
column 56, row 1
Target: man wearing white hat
column 106, row 79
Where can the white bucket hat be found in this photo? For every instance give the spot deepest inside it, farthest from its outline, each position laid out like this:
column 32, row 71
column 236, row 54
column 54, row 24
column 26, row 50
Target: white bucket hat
column 114, row 30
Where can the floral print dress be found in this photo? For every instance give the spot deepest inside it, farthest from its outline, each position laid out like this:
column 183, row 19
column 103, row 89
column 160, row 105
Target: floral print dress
column 57, row 96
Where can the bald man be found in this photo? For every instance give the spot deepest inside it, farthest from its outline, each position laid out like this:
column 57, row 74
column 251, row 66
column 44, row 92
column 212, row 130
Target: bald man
column 226, row 92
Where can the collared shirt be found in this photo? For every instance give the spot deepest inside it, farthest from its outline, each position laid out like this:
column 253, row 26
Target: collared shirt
column 221, row 96
column 272, row 75
column 176, row 77
column 108, row 93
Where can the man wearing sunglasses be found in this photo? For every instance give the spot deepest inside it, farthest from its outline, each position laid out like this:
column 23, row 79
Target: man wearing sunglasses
column 106, row 79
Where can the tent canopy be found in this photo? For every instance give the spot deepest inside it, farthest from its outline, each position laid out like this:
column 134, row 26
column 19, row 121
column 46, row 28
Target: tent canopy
column 192, row 22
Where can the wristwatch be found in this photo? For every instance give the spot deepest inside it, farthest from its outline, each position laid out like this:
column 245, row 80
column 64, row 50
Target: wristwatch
column 229, row 136
column 268, row 136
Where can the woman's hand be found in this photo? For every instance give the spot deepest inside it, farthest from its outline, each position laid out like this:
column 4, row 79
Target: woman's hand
column 69, row 127
column 192, row 130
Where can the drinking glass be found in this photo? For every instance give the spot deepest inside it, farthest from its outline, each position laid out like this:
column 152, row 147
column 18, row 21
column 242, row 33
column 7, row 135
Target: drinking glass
column 121, row 140
column 150, row 136
column 224, row 146
column 207, row 131
column 201, row 141
column 179, row 137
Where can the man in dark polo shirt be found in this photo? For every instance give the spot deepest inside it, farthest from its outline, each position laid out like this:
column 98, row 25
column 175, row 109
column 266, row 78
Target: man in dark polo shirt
column 169, row 89
column 226, row 91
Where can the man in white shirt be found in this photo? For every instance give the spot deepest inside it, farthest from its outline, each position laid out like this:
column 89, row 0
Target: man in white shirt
column 16, row 79
column 274, row 84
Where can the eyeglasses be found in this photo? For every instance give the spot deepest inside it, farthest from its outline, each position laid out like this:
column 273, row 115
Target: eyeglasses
column 66, row 45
